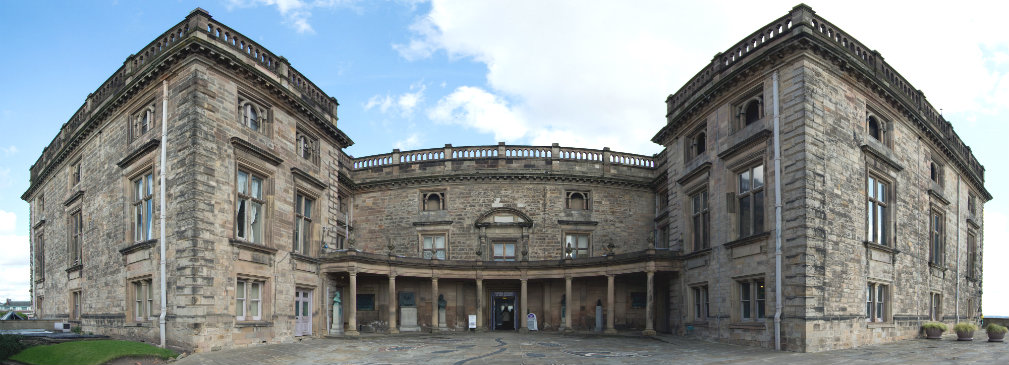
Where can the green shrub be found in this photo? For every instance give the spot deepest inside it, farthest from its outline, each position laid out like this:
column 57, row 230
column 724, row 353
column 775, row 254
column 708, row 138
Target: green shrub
column 10, row 345
column 934, row 325
column 965, row 327
column 993, row 328
column 76, row 329
column 89, row 352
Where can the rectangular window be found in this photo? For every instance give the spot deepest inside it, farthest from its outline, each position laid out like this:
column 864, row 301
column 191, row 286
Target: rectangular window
column 700, row 221
column 503, row 251
column 576, row 245
column 934, row 312
column 577, row 200
column 700, row 296
column 75, row 305
column 936, row 238
column 366, row 302
column 434, row 247
column 143, row 121
column 143, row 299
column 971, row 255
column 40, row 256
column 751, row 201
column 248, row 300
column 972, row 204
column 143, row 207
column 877, row 212
column 697, row 143
column 75, row 173
column 752, row 296
column 252, row 115
column 249, row 210
column 340, row 241
column 662, row 242
column 639, row 300
column 302, row 224
column 76, row 237
column 40, row 206
column 875, row 302
column 433, row 200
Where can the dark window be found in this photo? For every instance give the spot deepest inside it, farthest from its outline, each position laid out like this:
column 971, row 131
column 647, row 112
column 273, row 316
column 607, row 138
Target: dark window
column 751, row 299
column 751, row 201
column 752, row 111
column 76, row 237
column 577, row 200
column 434, row 201
column 874, row 128
column 701, row 220
column 302, row 224
column 638, row 300
column 307, row 147
column 935, row 307
column 40, row 256
column 971, row 255
column 875, row 302
column 366, row 302
column 700, row 303
column 936, row 238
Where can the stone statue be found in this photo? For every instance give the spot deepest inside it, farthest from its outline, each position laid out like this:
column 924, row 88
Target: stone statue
column 337, row 325
column 336, row 299
column 441, row 302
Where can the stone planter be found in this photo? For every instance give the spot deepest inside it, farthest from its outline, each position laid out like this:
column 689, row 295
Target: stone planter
column 996, row 337
column 933, row 333
column 965, row 335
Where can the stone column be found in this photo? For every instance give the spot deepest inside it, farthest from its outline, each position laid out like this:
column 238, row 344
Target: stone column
column 609, row 305
column 479, row 304
column 393, row 304
column 352, row 307
column 650, row 306
column 434, row 304
column 567, row 297
column 524, row 310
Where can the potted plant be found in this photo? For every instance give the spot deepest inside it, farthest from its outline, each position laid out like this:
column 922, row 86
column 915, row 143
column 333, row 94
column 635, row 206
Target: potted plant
column 996, row 333
column 934, row 330
column 965, row 331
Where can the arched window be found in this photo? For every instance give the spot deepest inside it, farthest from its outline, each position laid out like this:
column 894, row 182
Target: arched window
column 433, row 201
column 751, row 112
column 699, row 146
column 251, row 116
column 875, row 129
column 578, row 200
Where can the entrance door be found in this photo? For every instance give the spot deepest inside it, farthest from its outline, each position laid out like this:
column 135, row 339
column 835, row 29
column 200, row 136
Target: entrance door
column 503, row 312
column 303, row 312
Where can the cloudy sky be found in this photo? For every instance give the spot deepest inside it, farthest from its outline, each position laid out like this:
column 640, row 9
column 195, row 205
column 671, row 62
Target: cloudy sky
column 417, row 74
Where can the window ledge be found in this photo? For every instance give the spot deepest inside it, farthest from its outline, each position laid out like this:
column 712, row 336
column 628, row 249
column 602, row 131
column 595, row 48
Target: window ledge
column 748, row 239
column 758, row 325
column 887, row 249
column 77, row 267
column 744, row 140
column 252, row 246
column 138, row 246
column 936, row 266
column 241, row 324
column 43, row 221
column 73, row 197
column 697, row 253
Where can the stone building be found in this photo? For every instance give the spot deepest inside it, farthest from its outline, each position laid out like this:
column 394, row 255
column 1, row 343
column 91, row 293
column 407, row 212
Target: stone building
column 273, row 232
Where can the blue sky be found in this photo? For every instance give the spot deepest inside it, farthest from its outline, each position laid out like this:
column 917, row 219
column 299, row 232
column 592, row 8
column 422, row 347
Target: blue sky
column 417, row 74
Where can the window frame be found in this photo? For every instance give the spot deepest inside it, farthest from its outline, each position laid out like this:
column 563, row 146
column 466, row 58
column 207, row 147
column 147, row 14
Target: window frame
column 937, row 171
column 247, row 104
column 142, row 294
column 751, row 193
column 247, row 300
column 304, row 214
column 75, row 172
column 137, row 127
column 240, row 198
column 304, row 141
column 75, row 229
column 875, row 203
column 936, row 236
column 700, row 220
column 877, row 308
column 40, row 255
column 701, row 302
column 577, row 252
column 752, row 301
column 504, row 250
column 972, row 256
column 883, row 125
column 935, row 306
column 426, row 195
column 140, row 215
column 739, row 109
column 76, row 304
column 433, row 251
column 696, row 142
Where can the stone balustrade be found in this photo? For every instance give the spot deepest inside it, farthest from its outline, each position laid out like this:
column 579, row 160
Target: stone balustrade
column 555, row 152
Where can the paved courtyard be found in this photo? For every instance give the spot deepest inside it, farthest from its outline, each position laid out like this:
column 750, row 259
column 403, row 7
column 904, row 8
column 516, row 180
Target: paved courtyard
column 550, row 348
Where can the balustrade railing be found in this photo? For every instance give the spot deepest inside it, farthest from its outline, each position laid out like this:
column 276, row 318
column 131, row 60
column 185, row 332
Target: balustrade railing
column 508, row 152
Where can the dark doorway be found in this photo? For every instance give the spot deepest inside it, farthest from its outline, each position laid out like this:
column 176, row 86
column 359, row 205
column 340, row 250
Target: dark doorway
column 503, row 311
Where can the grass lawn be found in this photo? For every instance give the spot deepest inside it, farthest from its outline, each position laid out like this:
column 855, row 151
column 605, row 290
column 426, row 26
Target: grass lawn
column 88, row 352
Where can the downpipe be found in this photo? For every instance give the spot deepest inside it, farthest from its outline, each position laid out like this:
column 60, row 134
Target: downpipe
column 777, row 214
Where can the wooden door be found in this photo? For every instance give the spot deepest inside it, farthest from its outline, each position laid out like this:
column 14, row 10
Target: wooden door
column 303, row 312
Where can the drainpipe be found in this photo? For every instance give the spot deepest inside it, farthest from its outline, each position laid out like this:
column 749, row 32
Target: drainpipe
column 956, row 295
column 163, row 261
column 777, row 216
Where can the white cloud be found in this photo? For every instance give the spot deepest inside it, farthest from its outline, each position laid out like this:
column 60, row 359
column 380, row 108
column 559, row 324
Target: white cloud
column 14, row 263
column 409, row 143
column 476, row 108
column 295, row 12
column 8, row 221
column 8, row 151
column 382, row 102
column 995, row 299
column 404, row 104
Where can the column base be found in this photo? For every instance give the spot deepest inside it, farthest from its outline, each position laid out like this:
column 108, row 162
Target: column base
column 393, row 331
column 568, row 330
column 352, row 333
column 610, row 331
column 648, row 332
column 523, row 330
column 434, row 330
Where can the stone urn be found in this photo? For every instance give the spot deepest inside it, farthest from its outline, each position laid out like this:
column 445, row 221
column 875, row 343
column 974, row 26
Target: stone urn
column 996, row 337
column 996, row 333
column 933, row 333
column 965, row 331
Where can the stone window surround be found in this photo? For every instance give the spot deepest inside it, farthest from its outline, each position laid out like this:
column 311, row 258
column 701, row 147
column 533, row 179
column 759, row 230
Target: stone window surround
column 704, row 214
column 972, row 256
column 433, row 195
column 147, row 308
column 304, row 222
column 574, row 233
column 585, row 195
column 149, row 110
column 75, row 235
column 307, row 141
column 264, row 112
column 75, row 303
column 251, row 163
column 132, row 170
column 937, row 170
column 74, row 172
column 873, row 304
column 752, row 284
column 699, row 303
column 936, row 236
column 935, row 306
column 40, row 254
column 696, row 143
column 872, row 202
column 738, row 108
column 737, row 173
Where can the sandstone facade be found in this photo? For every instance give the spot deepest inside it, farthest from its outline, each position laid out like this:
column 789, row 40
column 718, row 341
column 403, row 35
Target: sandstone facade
column 267, row 219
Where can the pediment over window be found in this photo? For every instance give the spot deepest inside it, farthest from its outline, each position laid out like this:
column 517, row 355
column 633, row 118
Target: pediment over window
column 498, row 217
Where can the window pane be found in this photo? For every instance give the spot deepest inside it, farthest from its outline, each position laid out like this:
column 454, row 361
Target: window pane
column 240, row 219
column 150, row 214
column 304, row 308
column 297, row 204
column 139, row 222
column 583, row 241
column 697, row 203
column 440, row 254
column 256, row 190
column 256, row 223
column 254, row 291
column 869, row 188
column 428, row 243
column 871, row 231
column 881, row 191
column 744, row 216
column 428, row 255
column 697, row 232
column 744, row 182
column 881, row 223
column 758, row 176
column 758, row 211
column 509, row 249
column 138, row 189
column 242, row 182
column 705, row 231
column 308, row 208
column 439, row 242
column 239, row 307
column 297, row 234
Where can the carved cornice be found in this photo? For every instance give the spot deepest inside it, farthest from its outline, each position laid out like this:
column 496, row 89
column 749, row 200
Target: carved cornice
column 504, row 176
column 748, row 239
column 577, row 223
column 73, row 198
column 301, row 174
column 881, row 156
column 434, row 223
column 140, row 151
column 262, row 154
column 938, row 196
column 697, row 171
column 740, row 146
column 138, row 246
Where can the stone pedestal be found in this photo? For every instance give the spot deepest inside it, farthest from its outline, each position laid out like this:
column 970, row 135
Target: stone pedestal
column 441, row 320
column 337, row 326
column 408, row 319
column 599, row 319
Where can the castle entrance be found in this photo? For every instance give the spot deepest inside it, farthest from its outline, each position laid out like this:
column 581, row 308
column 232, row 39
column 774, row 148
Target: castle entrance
column 503, row 312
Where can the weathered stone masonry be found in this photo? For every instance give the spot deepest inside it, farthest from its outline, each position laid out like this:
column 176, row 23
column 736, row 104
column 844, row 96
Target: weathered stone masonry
column 680, row 242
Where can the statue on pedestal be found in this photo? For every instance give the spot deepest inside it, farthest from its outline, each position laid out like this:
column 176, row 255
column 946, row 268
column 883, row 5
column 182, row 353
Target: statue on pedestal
column 337, row 314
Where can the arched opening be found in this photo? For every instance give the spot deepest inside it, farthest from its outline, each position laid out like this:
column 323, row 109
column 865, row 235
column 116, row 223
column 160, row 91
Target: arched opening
column 433, row 201
column 752, row 111
column 874, row 129
column 699, row 146
column 578, row 200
